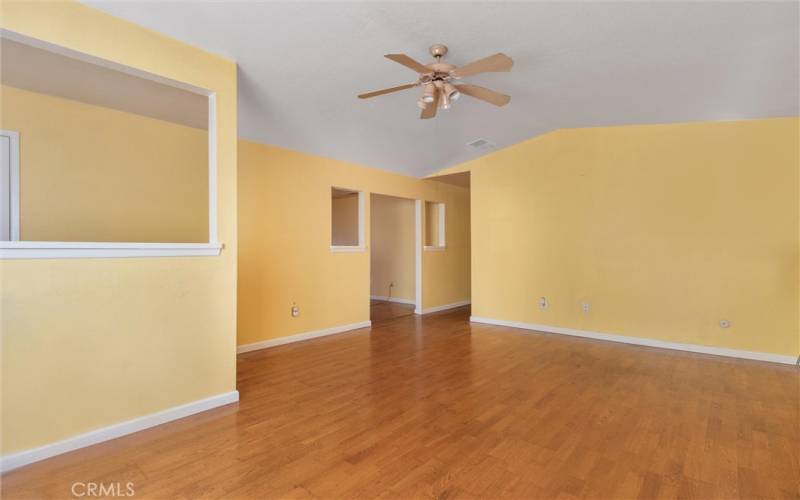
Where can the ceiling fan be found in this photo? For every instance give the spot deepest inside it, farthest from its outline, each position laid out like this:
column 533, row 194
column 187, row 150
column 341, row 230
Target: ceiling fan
column 437, row 80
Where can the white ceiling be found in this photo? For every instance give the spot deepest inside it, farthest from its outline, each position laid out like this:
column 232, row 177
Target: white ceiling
column 577, row 64
column 31, row 68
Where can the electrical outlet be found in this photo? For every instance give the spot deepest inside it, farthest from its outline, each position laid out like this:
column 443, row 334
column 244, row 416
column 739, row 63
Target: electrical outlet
column 295, row 310
column 724, row 323
column 543, row 303
column 585, row 307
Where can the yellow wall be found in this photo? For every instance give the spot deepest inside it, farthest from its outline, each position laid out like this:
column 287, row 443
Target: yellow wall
column 663, row 229
column 284, row 246
column 87, row 343
column 344, row 220
column 90, row 173
column 392, row 255
column 443, row 276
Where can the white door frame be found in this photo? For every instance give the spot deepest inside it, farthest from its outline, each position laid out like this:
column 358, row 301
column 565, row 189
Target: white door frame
column 10, row 226
column 418, row 244
column 419, row 212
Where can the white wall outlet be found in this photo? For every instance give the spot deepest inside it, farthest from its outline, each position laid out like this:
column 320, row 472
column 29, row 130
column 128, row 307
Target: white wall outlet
column 543, row 303
column 585, row 307
column 724, row 323
column 295, row 310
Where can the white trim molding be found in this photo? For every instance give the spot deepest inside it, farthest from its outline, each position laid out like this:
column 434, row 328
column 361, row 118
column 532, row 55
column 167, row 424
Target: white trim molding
column 445, row 307
column 346, row 249
column 419, row 212
column 212, row 168
column 441, row 243
column 662, row 344
column 429, row 248
column 266, row 344
column 392, row 299
column 81, row 250
column 362, row 219
column 15, row 460
column 12, row 222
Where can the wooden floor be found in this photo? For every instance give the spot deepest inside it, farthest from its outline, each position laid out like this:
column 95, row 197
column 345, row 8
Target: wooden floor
column 381, row 310
column 439, row 408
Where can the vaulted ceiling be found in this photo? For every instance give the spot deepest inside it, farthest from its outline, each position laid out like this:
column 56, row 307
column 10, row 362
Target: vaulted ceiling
column 577, row 64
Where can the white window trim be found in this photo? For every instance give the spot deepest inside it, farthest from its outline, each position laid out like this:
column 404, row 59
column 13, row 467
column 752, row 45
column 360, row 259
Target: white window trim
column 361, row 247
column 441, row 246
column 13, row 139
column 67, row 250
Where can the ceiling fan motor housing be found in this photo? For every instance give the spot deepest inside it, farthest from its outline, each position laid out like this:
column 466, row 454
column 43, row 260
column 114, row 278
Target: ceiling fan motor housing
column 439, row 71
column 438, row 50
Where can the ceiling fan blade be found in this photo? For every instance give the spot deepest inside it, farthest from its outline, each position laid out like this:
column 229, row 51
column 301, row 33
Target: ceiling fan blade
column 484, row 94
column 430, row 109
column 408, row 63
column 386, row 91
column 495, row 63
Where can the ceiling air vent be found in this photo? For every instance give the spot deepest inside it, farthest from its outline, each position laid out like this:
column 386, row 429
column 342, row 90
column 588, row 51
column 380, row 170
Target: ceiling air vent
column 481, row 144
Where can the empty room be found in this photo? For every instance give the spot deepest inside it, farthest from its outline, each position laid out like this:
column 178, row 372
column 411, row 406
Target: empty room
column 345, row 250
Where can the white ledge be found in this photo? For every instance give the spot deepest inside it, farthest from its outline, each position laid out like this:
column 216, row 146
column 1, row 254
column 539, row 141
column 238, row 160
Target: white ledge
column 435, row 248
column 78, row 250
column 341, row 248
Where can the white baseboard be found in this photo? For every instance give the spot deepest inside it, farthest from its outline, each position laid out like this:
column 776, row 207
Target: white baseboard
column 392, row 299
column 443, row 308
column 718, row 351
column 264, row 344
column 18, row 459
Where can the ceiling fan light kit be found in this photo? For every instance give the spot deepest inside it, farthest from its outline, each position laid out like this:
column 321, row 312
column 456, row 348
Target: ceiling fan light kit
column 451, row 91
column 428, row 93
column 436, row 79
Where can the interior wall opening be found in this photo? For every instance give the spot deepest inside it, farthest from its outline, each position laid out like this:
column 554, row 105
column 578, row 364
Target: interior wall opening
column 392, row 257
column 100, row 155
column 347, row 219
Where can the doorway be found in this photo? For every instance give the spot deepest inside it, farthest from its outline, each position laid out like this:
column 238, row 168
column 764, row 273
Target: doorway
column 393, row 286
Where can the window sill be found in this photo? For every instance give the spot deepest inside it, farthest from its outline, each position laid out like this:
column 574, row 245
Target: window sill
column 339, row 249
column 79, row 250
column 435, row 249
